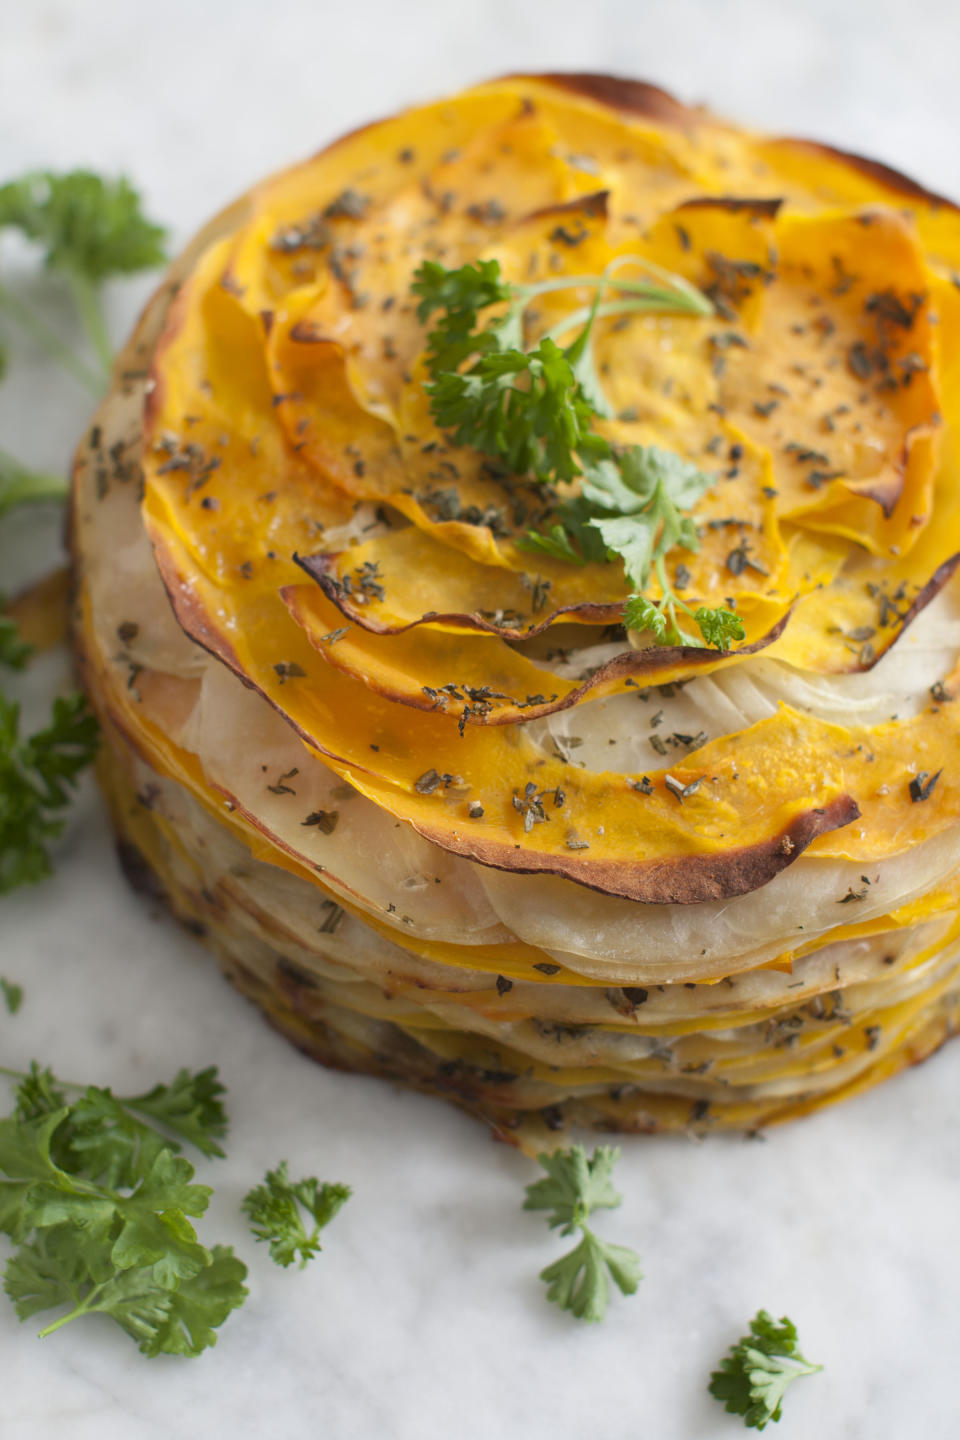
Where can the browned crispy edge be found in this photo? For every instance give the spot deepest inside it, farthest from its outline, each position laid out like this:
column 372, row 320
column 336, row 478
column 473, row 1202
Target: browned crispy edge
column 645, row 665
column 319, row 568
column 895, row 180
column 637, row 96
column 679, row 880
column 761, row 209
column 641, row 98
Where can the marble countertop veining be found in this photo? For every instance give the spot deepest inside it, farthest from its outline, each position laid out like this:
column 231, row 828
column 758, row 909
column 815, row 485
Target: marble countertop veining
column 424, row 1317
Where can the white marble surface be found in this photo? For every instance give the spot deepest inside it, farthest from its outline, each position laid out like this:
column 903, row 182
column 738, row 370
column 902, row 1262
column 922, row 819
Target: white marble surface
column 424, row 1317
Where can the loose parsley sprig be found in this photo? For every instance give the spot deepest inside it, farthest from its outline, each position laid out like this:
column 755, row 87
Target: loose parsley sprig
column 533, row 411
column 99, row 1206
column 275, row 1214
column 573, row 1189
column 754, row 1377
column 12, row 994
column 37, row 777
column 89, row 229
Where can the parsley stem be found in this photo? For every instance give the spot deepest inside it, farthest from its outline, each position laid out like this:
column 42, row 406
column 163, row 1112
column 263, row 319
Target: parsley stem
column 656, row 303
column 65, row 1084
column 669, row 603
column 23, row 315
column 82, row 1307
column 676, row 292
column 88, row 303
column 28, row 486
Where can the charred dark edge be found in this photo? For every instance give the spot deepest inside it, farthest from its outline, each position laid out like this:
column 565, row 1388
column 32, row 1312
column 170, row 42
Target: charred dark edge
column 648, row 664
column 920, row 602
column 887, row 495
column 594, row 204
column 683, row 880
column 587, row 613
column 768, row 209
column 641, row 98
column 305, row 332
column 619, row 93
column 875, row 169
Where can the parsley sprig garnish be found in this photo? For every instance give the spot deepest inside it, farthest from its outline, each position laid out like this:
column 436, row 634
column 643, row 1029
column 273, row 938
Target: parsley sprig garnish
column 754, row 1377
column 100, row 1205
column 530, row 409
column 533, row 411
column 37, row 777
column 574, row 1188
column 89, row 229
column 276, row 1211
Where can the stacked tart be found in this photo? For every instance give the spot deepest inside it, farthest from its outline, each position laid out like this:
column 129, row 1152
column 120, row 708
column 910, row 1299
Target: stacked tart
column 434, row 807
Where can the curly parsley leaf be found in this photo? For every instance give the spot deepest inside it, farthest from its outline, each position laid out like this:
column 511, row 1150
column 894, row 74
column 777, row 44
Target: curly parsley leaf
column 51, row 1272
column 719, row 627
column 276, row 1211
column 38, row 1093
column 573, row 1189
column 532, row 410
column 12, row 995
column 460, row 295
column 191, row 1107
column 14, row 652
column 83, row 222
column 574, row 1186
column 754, row 1377
column 100, row 1209
column 536, row 429
column 89, row 229
column 37, row 776
column 578, row 1281
column 631, row 510
column 106, row 1134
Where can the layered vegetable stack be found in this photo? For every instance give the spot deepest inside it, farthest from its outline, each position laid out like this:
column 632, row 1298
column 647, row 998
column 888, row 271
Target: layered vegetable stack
column 375, row 722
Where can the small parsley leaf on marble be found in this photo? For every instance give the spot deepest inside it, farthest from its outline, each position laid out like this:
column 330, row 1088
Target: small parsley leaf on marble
column 754, row 1377
column 573, row 1189
column 276, row 1210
